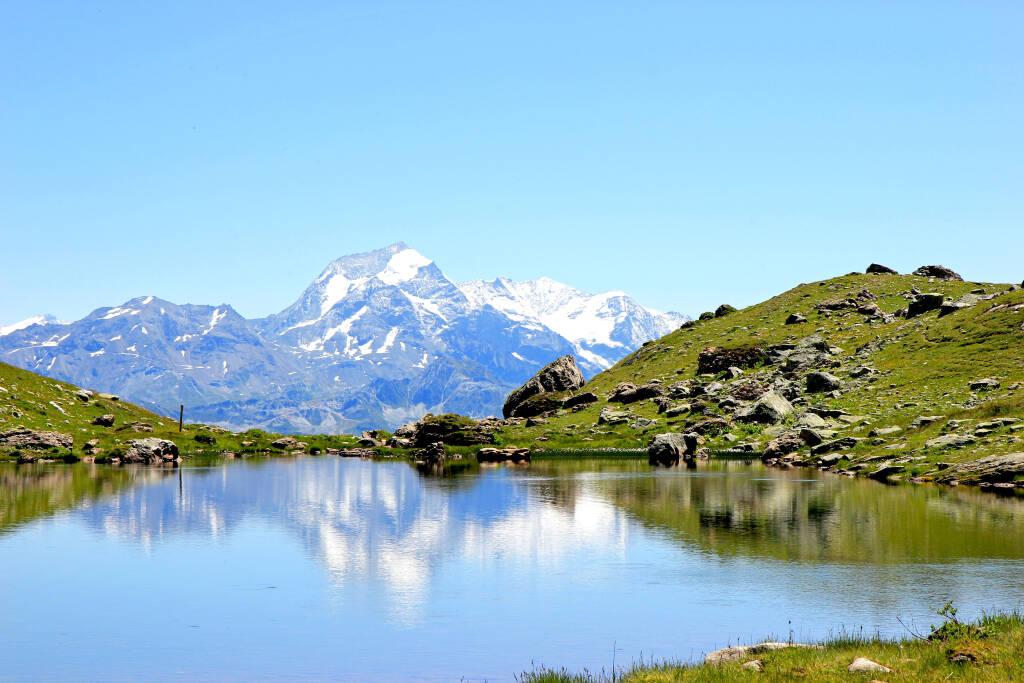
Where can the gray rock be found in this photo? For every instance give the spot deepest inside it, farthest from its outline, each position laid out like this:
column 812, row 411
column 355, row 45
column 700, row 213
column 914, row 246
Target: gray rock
column 865, row 665
column 609, row 416
column 20, row 437
column 738, row 652
column 949, row 441
column 966, row 301
column 561, row 374
column 811, row 437
column 835, row 445
column 666, row 449
column 925, row 420
column 993, row 468
column 581, row 399
column 986, row 384
column 677, row 410
column 104, row 421
column 940, row 272
column 885, row 470
column 885, row 431
column 627, row 392
column 818, row 382
column 795, row 319
column 924, row 302
column 769, row 409
column 879, row 269
column 150, row 450
column 811, row 420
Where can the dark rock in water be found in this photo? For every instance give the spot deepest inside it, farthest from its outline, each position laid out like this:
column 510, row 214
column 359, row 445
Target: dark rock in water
column 150, row 450
column 666, row 449
column 940, row 272
column 104, row 421
column 724, row 310
column 924, row 302
column 879, row 269
column 713, row 360
column 626, row 392
column 795, row 319
column 560, row 375
column 819, row 382
column 20, row 437
column 581, row 399
column 514, row 455
column 433, row 454
column 769, row 409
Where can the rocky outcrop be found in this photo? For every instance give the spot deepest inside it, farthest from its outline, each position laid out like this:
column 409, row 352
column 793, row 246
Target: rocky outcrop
column 610, row 416
column 724, row 310
column 20, row 437
column 922, row 303
column 994, row 468
column 150, row 450
column 713, row 360
column 581, row 399
column 450, row 429
column 433, row 454
column 769, row 409
column 879, row 269
column 795, row 319
column 104, row 421
column 940, row 272
column 561, row 374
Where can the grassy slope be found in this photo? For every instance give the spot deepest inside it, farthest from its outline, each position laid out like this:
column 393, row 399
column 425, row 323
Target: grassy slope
column 996, row 658
column 43, row 404
column 924, row 364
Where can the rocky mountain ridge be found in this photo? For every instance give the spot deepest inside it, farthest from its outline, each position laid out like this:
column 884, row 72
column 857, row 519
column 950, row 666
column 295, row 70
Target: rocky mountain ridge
column 378, row 339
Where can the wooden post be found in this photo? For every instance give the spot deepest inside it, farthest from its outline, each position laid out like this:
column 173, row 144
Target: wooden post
column 181, row 416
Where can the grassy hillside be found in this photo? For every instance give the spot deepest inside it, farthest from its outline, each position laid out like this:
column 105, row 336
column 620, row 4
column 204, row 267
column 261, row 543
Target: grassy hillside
column 916, row 366
column 42, row 404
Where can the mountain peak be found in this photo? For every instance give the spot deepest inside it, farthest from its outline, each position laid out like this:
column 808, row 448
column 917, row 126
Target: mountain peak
column 45, row 319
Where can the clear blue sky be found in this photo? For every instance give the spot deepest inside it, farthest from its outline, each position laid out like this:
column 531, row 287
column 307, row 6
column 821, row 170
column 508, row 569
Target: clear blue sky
column 689, row 153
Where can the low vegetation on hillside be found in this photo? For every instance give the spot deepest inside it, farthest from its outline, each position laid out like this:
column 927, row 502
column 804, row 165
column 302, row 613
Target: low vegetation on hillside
column 85, row 424
column 887, row 375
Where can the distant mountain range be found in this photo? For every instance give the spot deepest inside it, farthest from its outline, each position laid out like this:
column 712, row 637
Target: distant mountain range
column 376, row 340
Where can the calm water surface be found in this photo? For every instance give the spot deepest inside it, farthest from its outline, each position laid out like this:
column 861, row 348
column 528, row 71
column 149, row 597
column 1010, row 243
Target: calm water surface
column 324, row 569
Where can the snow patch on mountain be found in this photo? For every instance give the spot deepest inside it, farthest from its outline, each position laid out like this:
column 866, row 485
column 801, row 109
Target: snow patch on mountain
column 29, row 322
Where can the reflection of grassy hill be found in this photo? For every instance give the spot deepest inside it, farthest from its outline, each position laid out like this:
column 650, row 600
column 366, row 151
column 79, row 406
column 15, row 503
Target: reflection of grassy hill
column 43, row 404
column 830, row 520
column 917, row 366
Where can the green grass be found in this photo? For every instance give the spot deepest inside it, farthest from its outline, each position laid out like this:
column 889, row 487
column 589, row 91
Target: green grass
column 43, row 404
column 990, row 649
column 924, row 366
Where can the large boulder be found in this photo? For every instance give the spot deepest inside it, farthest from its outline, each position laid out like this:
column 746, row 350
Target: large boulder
column 769, row 409
column 879, row 269
column 940, row 272
column 819, row 382
column 561, row 374
column 922, row 303
column 104, row 420
column 450, row 429
column 666, row 449
column 21, row 437
column 724, row 310
column 581, row 399
column 627, row 392
column 150, row 450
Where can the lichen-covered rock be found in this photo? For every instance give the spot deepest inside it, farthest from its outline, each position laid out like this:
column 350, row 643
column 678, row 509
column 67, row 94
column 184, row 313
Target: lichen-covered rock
column 21, row 437
column 561, row 374
column 150, row 450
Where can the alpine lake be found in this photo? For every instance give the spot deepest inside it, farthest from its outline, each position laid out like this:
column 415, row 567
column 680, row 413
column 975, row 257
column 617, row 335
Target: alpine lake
column 339, row 569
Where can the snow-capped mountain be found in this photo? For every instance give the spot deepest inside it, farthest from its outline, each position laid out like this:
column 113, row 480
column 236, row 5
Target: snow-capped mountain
column 376, row 340
column 29, row 322
column 602, row 328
